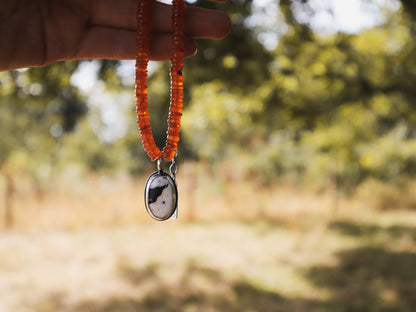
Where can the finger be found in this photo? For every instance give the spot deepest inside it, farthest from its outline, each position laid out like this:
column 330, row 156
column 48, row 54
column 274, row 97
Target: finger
column 160, row 47
column 117, row 14
column 101, row 42
column 199, row 23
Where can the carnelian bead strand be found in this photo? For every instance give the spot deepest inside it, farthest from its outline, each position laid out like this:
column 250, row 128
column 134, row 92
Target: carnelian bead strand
column 142, row 59
column 175, row 111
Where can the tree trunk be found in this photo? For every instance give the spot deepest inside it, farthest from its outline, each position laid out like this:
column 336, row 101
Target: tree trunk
column 9, row 198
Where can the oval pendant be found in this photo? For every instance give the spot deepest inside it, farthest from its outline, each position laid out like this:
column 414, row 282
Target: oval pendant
column 160, row 196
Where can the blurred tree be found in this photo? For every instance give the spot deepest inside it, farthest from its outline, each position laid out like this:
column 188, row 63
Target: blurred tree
column 338, row 105
column 36, row 107
column 240, row 62
column 410, row 7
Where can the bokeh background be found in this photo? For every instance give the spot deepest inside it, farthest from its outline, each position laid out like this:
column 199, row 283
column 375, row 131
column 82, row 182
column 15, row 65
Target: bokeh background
column 297, row 167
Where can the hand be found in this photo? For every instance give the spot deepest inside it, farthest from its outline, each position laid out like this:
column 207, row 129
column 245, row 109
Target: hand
column 39, row 32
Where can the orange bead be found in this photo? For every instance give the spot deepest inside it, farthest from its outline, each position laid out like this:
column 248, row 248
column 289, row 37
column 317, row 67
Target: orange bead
column 142, row 58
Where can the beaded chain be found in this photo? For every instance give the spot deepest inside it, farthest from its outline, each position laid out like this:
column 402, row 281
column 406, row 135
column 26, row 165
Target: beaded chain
column 176, row 91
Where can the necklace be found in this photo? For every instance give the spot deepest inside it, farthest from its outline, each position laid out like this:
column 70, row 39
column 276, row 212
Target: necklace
column 161, row 195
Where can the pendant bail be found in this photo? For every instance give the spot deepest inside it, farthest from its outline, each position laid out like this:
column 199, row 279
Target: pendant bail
column 160, row 164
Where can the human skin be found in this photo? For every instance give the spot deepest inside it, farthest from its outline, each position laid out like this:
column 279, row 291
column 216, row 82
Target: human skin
column 40, row 32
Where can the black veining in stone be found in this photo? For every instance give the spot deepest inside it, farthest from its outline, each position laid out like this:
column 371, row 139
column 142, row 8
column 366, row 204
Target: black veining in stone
column 155, row 192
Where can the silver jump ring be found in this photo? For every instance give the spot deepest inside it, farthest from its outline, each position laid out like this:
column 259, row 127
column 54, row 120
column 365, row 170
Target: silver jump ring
column 173, row 167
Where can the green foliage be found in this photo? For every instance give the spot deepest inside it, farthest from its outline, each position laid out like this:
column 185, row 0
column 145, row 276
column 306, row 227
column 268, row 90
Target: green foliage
column 240, row 62
column 220, row 122
column 37, row 107
column 339, row 105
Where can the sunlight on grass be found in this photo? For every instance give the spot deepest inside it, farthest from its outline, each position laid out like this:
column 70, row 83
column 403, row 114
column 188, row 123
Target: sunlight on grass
column 237, row 246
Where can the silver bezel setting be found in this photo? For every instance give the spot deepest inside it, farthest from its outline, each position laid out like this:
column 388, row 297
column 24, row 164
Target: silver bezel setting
column 172, row 183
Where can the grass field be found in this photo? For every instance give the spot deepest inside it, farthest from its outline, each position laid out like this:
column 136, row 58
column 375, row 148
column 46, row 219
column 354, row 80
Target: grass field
column 235, row 247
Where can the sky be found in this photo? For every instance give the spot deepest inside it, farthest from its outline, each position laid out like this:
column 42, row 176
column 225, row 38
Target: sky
column 349, row 15
column 330, row 16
